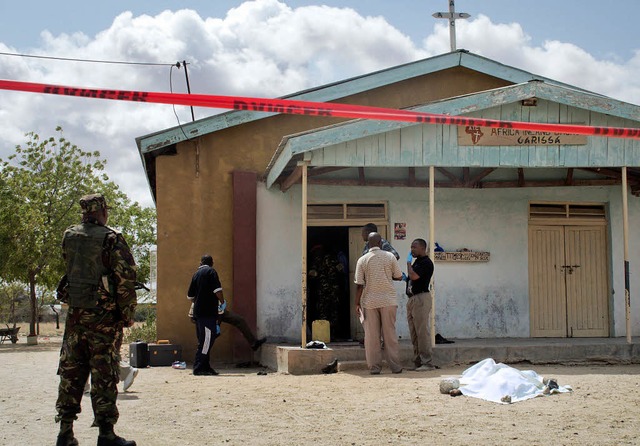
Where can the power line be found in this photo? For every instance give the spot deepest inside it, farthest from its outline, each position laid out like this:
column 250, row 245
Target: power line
column 90, row 60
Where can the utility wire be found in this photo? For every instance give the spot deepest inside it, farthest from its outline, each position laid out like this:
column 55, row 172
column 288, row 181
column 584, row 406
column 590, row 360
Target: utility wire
column 68, row 59
column 88, row 60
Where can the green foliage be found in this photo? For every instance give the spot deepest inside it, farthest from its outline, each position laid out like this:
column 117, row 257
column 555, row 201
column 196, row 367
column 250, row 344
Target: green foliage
column 14, row 304
column 40, row 185
column 146, row 332
column 145, row 312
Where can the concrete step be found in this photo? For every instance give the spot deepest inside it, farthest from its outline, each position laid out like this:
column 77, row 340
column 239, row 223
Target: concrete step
column 345, row 366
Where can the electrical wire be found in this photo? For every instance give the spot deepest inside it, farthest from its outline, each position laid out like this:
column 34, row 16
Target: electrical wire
column 177, row 65
column 70, row 59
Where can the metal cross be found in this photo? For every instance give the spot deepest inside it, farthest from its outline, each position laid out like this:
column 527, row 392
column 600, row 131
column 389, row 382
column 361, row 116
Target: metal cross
column 452, row 16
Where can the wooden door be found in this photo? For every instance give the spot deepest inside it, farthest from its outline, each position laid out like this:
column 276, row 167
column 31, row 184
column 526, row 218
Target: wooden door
column 587, row 281
column 568, row 281
column 547, row 290
column 356, row 244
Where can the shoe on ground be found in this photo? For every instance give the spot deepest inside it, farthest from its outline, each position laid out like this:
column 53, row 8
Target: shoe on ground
column 130, row 377
column 66, row 440
column 117, row 441
column 374, row 372
column 397, row 372
column 332, row 367
column 256, row 345
column 425, row 368
column 442, row 340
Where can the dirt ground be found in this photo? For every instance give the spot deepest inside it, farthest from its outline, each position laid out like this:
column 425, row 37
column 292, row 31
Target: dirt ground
column 166, row 406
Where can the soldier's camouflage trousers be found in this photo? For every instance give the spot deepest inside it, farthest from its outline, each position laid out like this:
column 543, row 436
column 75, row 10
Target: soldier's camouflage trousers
column 89, row 347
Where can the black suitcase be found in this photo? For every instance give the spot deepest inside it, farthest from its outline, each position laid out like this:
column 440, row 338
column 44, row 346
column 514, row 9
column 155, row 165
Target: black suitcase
column 164, row 354
column 139, row 355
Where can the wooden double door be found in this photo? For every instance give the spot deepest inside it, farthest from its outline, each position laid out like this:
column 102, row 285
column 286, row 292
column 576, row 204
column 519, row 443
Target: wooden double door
column 569, row 281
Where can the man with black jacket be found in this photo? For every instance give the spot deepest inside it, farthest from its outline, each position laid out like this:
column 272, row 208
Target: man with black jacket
column 206, row 293
column 419, row 304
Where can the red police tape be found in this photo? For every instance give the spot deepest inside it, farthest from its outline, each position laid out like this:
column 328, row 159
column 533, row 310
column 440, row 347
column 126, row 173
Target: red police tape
column 308, row 108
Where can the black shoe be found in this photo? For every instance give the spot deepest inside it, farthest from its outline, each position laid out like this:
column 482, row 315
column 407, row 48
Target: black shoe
column 332, row 367
column 442, row 340
column 66, row 440
column 256, row 345
column 117, row 441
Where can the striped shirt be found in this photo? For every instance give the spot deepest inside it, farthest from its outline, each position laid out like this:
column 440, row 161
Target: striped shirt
column 376, row 270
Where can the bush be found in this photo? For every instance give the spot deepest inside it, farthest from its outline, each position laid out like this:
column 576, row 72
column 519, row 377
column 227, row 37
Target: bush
column 144, row 312
column 146, row 332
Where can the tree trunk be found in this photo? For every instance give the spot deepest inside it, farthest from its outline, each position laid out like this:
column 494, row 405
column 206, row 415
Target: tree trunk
column 33, row 302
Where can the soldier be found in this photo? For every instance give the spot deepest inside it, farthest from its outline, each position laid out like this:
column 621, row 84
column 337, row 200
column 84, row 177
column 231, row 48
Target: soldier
column 100, row 291
column 325, row 276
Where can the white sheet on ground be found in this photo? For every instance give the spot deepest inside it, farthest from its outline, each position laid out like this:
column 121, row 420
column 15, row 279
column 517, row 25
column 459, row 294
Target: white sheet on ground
column 490, row 381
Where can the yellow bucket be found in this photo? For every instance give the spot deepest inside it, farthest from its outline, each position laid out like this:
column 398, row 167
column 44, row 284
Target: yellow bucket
column 321, row 331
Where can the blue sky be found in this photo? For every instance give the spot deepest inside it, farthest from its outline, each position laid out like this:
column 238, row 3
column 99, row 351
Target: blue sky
column 271, row 48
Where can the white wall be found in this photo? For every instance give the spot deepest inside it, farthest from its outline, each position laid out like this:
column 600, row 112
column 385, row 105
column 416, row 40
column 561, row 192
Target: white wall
column 482, row 300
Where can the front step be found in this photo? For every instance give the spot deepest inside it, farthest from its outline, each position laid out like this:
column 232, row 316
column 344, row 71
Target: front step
column 347, row 366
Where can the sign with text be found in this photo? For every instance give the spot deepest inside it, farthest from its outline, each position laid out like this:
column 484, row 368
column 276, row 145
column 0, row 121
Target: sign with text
column 483, row 136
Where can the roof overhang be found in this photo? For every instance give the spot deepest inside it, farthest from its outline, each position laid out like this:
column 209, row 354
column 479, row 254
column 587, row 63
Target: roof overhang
column 294, row 148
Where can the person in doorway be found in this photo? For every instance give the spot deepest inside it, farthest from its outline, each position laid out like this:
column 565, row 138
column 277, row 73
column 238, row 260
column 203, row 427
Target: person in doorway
column 419, row 304
column 325, row 275
column 376, row 300
column 386, row 246
column 99, row 287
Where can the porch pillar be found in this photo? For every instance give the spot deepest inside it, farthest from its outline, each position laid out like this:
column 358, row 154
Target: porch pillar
column 625, row 238
column 303, row 242
column 432, row 244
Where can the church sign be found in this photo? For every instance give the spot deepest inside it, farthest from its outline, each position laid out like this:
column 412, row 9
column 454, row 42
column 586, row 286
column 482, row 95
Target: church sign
column 485, row 136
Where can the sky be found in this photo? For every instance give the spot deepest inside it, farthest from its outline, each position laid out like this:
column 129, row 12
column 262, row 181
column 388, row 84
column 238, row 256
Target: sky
column 271, row 48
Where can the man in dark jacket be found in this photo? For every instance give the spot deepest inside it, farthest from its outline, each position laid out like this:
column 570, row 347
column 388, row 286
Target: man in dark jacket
column 100, row 291
column 205, row 291
column 419, row 304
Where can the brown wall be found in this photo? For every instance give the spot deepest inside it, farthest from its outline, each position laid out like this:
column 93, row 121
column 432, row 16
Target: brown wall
column 194, row 194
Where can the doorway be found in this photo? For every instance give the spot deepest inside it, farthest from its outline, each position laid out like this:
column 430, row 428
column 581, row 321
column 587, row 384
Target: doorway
column 569, row 279
column 328, row 279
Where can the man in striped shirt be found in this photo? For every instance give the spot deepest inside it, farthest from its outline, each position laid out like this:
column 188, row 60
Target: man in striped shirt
column 376, row 300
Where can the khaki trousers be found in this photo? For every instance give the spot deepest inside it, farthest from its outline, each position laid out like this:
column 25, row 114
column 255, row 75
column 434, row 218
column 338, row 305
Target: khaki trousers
column 418, row 309
column 381, row 321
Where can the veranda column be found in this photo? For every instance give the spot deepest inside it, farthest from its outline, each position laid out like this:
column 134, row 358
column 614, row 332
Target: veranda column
column 432, row 244
column 625, row 239
column 303, row 242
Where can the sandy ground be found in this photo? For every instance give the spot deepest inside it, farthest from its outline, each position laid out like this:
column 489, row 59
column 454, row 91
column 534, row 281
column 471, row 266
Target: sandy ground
column 166, row 406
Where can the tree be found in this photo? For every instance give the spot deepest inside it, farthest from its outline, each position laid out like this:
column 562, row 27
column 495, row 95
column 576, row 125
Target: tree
column 43, row 181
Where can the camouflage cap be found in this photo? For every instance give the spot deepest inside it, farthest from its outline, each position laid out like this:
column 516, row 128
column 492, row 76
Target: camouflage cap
column 93, row 203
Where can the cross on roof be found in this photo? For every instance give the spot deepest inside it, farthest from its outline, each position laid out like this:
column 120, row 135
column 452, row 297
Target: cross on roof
column 452, row 16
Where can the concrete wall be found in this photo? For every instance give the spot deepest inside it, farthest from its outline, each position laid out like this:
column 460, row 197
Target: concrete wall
column 472, row 299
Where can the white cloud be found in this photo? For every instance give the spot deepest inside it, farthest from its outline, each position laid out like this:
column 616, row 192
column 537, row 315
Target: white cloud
column 561, row 61
column 261, row 48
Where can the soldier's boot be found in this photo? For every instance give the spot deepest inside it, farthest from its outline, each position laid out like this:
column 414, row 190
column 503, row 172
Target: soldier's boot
column 107, row 437
column 65, row 437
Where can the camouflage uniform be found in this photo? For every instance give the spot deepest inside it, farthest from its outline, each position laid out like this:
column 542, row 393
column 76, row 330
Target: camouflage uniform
column 325, row 277
column 93, row 333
